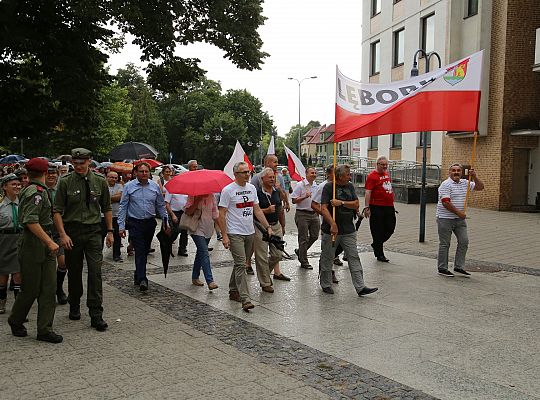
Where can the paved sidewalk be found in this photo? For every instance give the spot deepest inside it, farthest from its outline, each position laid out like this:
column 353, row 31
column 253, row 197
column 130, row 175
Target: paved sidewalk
column 421, row 336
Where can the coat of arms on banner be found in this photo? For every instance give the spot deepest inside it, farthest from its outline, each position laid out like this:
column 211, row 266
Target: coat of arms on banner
column 457, row 73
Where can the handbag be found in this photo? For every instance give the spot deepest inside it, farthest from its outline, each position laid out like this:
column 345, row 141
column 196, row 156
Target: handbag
column 190, row 222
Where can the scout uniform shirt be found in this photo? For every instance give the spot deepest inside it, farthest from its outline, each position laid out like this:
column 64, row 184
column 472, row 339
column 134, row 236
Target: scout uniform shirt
column 82, row 199
column 35, row 206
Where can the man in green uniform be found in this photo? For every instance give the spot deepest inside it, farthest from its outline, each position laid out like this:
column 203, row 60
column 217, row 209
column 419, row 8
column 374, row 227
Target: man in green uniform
column 37, row 253
column 81, row 197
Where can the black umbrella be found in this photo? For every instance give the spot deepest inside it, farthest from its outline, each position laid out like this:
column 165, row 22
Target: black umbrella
column 133, row 151
column 165, row 245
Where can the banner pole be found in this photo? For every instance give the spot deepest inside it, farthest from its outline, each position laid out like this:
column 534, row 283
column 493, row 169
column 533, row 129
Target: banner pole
column 334, row 192
column 473, row 156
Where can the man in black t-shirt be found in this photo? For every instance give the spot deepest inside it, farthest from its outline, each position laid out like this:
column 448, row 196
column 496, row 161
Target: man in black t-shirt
column 343, row 229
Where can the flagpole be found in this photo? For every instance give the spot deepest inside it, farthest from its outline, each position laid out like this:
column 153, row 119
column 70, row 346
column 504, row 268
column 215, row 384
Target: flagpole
column 334, row 192
column 473, row 155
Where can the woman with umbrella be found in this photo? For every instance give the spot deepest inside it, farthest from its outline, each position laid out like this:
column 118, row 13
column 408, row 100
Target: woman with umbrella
column 206, row 207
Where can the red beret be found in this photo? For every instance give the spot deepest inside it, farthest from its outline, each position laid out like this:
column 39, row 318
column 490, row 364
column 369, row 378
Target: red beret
column 37, row 164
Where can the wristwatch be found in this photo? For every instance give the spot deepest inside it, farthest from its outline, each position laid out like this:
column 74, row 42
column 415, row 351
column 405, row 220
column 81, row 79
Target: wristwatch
column 110, row 230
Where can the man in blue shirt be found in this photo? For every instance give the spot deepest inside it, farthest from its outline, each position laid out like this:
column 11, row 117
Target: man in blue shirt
column 140, row 200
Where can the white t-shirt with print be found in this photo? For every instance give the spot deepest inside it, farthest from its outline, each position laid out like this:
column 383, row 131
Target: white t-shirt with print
column 239, row 201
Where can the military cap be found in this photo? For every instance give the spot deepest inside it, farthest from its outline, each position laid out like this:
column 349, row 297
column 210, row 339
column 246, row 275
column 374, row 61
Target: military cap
column 7, row 178
column 81, row 153
column 20, row 171
column 52, row 167
column 37, row 164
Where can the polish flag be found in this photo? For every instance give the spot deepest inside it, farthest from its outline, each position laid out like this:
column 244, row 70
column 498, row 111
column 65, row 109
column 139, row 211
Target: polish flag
column 271, row 147
column 238, row 155
column 447, row 99
column 297, row 171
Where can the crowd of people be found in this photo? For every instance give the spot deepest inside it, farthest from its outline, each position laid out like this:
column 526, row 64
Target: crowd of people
column 51, row 220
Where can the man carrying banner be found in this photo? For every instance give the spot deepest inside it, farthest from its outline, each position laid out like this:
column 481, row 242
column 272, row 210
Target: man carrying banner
column 380, row 207
column 451, row 218
column 343, row 229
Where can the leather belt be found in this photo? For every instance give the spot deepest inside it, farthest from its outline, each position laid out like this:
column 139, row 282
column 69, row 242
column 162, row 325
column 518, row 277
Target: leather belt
column 306, row 211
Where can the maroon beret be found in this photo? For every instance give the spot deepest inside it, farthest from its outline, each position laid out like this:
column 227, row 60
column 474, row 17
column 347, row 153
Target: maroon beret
column 37, row 164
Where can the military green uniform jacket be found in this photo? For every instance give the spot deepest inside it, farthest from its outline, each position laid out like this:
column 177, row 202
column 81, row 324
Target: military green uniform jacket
column 80, row 202
column 35, row 206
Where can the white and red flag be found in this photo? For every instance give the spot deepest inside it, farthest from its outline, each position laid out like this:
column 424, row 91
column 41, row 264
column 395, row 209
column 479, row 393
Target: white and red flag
column 447, row 99
column 238, row 155
column 297, row 171
column 271, row 146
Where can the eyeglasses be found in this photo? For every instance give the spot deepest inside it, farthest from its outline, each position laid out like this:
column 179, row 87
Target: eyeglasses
column 382, row 165
column 112, row 177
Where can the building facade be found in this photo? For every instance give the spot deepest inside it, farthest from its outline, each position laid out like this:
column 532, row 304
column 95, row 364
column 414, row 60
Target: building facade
column 507, row 155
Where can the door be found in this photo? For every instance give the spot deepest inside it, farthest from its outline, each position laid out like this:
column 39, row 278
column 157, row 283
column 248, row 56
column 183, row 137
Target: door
column 520, row 177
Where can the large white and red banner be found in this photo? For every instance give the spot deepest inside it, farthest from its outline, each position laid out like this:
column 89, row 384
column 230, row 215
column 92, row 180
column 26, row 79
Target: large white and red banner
column 238, row 155
column 447, row 99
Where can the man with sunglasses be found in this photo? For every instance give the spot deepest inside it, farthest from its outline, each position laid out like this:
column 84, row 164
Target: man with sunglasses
column 380, row 207
column 81, row 197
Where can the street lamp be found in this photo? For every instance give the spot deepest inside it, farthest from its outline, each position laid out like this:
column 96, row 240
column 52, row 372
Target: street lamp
column 22, row 143
column 414, row 72
column 299, row 81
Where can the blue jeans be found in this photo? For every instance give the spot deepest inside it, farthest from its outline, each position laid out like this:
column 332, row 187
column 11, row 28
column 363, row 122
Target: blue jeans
column 202, row 259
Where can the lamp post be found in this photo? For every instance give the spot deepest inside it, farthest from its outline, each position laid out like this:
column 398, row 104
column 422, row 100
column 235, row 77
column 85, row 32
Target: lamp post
column 22, row 143
column 217, row 137
column 414, row 72
column 299, row 81
column 260, row 141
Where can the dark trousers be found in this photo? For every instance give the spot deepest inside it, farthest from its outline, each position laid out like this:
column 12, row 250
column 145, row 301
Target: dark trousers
column 141, row 233
column 182, row 242
column 117, row 239
column 382, row 223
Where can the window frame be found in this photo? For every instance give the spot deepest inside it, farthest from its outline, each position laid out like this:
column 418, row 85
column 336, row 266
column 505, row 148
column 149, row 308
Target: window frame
column 372, row 55
column 393, row 141
column 374, row 4
column 395, row 47
column 428, row 141
column 423, row 30
column 471, row 8
column 373, row 142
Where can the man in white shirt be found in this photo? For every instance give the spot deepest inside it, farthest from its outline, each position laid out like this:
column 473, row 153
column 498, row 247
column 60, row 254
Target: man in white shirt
column 306, row 220
column 175, row 203
column 237, row 206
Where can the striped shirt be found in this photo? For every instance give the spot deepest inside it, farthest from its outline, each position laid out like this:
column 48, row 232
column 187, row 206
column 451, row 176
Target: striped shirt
column 456, row 192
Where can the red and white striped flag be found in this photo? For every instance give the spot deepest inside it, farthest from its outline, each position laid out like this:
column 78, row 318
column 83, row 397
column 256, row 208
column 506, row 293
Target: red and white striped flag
column 297, row 171
column 271, row 146
column 238, row 155
column 447, row 99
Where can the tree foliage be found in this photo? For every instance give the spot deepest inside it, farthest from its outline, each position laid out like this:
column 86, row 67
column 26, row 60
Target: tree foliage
column 52, row 54
column 291, row 138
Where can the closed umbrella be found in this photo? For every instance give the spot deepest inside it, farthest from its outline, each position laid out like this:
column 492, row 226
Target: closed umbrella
column 198, row 183
column 165, row 246
column 133, row 151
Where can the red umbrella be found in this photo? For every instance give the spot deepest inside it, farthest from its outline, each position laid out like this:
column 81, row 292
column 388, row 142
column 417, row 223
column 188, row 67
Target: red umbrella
column 198, row 183
column 153, row 163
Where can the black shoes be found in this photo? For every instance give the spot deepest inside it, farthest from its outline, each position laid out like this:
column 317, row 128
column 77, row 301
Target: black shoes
column 338, row 262
column 182, row 252
column 296, row 252
column 17, row 329
column 210, row 248
column 461, row 271
column 307, row 266
column 143, row 287
column 74, row 312
column 445, row 272
column 249, row 271
column 382, row 259
column 99, row 324
column 118, row 259
column 328, row 290
column 61, row 296
column 334, row 278
column 366, row 290
column 50, row 337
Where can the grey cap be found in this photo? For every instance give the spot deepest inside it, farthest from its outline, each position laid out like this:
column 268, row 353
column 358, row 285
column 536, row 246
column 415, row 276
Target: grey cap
column 21, row 171
column 7, row 178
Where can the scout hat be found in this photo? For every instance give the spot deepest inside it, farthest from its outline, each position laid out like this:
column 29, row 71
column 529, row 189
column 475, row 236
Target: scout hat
column 81, row 153
column 20, row 171
column 8, row 178
column 37, row 164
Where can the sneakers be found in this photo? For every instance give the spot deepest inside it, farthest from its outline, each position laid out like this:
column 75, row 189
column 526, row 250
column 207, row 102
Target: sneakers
column 338, row 262
column 461, row 271
column 249, row 271
column 3, row 306
column 445, row 272
column 50, row 337
column 366, row 290
column 328, row 290
column 99, row 324
column 212, row 286
column 197, row 282
column 17, row 329
column 74, row 312
column 247, row 306
column 234, row 295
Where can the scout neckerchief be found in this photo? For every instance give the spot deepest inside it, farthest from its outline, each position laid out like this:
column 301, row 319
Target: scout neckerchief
column 15, row 215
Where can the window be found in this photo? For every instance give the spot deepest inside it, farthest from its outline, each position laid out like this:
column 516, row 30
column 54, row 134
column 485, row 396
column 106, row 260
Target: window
column 373, row 142
column 375, row 7
column 399, row 47
column 471, row 8
column 375, row 59
column 428, row 33
column 396, row 141
column 428, row 139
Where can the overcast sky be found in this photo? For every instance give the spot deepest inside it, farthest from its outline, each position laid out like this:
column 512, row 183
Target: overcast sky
column 304, row 38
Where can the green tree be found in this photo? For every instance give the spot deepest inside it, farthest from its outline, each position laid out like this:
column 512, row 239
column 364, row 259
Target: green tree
column 53, row 53
column 291, row 138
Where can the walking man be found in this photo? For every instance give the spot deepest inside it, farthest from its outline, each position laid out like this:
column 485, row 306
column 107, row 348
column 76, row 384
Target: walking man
column 37, row 253
column 81, row 197
column 343, row 229
column 237, row 206
column 451, row 218
column 140, row 200
column 306, row 220
column 115, row 190
column 380, row 207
